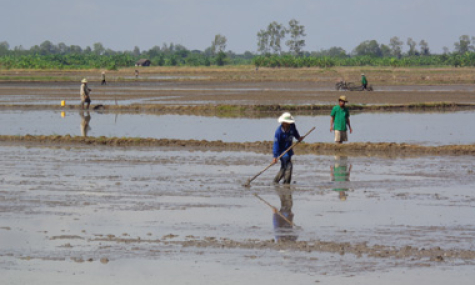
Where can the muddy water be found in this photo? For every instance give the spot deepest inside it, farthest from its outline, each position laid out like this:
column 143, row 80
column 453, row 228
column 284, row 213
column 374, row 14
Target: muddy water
column 413, row 128
column 97, row 213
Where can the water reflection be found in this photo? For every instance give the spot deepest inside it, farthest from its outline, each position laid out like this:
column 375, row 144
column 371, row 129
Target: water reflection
column 283, row 218
column 340, row 173
column 85, row 119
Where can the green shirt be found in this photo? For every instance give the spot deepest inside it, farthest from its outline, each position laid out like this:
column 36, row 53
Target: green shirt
column 340, row 115
column 363, row 80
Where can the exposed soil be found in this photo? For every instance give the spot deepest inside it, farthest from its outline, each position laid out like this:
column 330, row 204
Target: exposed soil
column 392, row 149
column 228, row 93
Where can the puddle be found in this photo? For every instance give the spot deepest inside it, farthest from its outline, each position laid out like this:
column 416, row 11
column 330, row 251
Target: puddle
column 413, row 128
column 94, row 211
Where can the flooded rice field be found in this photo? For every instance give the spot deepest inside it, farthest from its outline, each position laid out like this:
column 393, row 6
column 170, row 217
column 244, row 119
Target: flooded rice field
column 437, row 128
column 211, row 92
column 83, row 214
column 116, row 216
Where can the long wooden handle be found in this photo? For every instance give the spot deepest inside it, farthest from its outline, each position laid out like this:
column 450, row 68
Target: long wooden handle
column 277, row 212
column 286, row 151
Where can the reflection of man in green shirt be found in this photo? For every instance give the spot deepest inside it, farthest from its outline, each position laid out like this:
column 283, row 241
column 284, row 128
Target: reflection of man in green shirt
column 340, row 117
column 364, row 81
column 340, row 172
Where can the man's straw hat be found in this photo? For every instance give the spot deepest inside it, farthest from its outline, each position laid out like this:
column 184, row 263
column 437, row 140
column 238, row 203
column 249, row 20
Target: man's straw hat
column 84, row 80
column 343, row 98
column 286, row 118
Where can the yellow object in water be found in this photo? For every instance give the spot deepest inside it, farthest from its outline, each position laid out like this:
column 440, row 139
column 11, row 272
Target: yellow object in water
column 63, row 114
column 63, row 103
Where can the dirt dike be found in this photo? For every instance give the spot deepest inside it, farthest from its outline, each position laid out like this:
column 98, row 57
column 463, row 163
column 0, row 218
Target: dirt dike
column 248, row 110
column 386, row 149
column 378, row 251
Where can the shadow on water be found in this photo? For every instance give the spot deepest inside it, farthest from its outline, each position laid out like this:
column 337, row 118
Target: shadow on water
column 85, row 122
column 340, row 174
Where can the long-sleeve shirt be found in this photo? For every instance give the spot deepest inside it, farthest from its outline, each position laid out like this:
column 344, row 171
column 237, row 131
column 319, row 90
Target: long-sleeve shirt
column 84, row 91
column 283, row 140
column 363, row 80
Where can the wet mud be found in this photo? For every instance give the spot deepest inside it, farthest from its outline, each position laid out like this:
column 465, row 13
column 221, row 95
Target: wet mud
column 388, row 149
column 228, row 93
column 63, row 209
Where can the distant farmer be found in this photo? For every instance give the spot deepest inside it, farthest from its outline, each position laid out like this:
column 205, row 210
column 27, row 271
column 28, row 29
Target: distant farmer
column 283, row 138
column 364, row 81
column 340, row 117
column 136, row 74
column 84, row 93
column 103, row 75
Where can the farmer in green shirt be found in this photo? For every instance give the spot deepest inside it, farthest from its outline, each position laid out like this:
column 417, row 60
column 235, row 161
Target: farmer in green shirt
column 364, row 81
column 340, row 117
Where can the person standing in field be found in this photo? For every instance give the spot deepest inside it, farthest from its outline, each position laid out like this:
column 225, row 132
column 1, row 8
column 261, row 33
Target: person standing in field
column 283, row 139
column 136, row 74
column 84, row 94
column 103, row 75
column 364, row 81
column 340, row 118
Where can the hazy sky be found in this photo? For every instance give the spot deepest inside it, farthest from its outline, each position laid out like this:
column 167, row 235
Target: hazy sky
column 121, row 25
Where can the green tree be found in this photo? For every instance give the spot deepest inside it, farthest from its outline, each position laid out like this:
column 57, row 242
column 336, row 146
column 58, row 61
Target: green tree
column 425, row 51
column 385, row 50
column 464, row 45
column 219, row 44
column 221, row 58
column 263, row 42
column 396, row 46
column 98, row 48
column 370, row 48
column 136, row 51
column 412, row 47
column 276, row 33
column 4, row 47
column 297, row 33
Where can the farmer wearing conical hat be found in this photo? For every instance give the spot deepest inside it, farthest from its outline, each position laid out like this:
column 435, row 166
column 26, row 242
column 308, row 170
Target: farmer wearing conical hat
column 84, row 92
column 283, row 139
column 340, row 117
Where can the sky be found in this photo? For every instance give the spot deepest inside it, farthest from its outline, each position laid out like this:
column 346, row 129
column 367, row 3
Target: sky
column 122, row 25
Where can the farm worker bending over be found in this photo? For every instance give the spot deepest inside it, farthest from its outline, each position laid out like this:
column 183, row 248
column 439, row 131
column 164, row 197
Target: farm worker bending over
column 340, row 118
column 364, row 81
column 84, row 93
column 283, row 138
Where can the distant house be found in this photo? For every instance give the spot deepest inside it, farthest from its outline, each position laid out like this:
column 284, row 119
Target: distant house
column 143, row 62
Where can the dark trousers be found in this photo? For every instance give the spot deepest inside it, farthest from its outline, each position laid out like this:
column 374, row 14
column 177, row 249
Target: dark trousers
column 285, row 170
column 364, row 86
column 103, row 82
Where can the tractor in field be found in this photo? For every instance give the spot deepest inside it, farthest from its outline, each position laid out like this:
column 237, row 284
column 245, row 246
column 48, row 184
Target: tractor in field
column 350, row 86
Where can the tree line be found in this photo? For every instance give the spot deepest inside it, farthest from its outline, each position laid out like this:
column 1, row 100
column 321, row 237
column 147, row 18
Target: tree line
column 270, row 53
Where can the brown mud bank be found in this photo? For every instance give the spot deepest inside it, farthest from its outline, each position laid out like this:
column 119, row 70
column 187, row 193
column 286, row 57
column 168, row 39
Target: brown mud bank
column 391, row 149
column 381, row 251
column 248, row 73
column 248, row 110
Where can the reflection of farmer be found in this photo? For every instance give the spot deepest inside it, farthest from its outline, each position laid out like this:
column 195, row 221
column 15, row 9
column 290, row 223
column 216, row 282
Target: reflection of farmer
column 103, row 76
column 340, row 117
column 85, row 123
column 284, row 230
column 84, row 94
column 364, row 81
column 283, row 138
column 340, row 172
